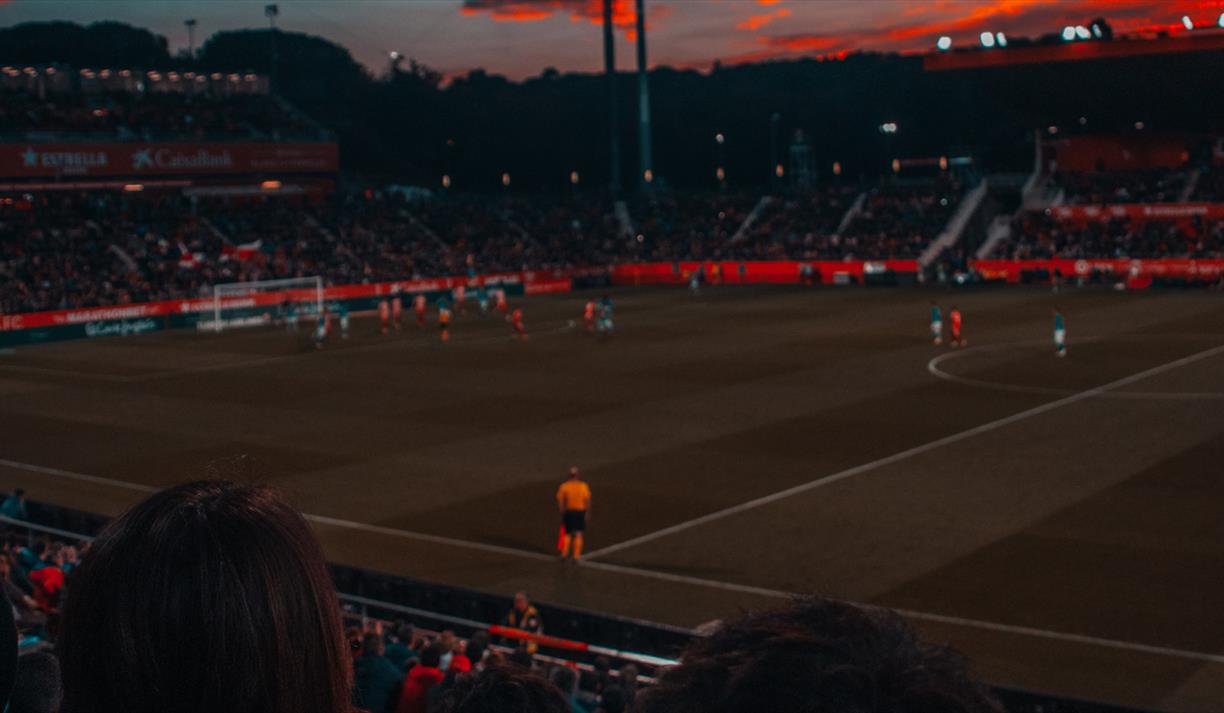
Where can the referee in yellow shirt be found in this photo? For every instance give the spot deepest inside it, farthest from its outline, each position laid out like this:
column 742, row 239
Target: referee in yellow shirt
column 574, row 502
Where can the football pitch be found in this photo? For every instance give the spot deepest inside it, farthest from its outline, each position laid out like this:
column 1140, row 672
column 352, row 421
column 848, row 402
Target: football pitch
column 1061, row 521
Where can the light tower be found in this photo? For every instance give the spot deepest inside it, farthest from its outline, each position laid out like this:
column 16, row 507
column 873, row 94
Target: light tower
column 610, row 70
column 191, row 25
column 645, row 159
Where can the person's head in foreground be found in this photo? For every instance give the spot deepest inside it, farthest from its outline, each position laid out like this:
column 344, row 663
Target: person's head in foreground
column 817, row 656
column 208, row 596
column 503, row 689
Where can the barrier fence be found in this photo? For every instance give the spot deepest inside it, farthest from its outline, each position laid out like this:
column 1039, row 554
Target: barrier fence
column 577, row 648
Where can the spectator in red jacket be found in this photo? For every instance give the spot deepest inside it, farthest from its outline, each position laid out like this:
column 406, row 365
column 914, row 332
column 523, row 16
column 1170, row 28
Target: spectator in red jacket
column 48, row 581
column 414, row 698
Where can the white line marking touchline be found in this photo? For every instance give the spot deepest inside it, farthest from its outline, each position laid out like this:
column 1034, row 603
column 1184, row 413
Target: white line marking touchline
column 667, row 577
column 902, row 455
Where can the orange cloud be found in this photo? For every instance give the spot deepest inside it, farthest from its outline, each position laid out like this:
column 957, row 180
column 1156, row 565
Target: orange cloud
column 623, row 13
column 756, row 22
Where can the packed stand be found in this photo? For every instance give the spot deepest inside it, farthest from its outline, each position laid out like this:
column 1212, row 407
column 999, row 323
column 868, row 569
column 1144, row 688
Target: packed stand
column 1210, row 186
column 897, row 221
column 689, row 226
column 574, row 231
column 1154, row 185
column 792, row 225
column 65, row 251
column 1038, row 235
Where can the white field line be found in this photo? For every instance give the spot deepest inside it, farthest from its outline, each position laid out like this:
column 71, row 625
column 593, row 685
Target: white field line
column 902, row 455
column 666, row 577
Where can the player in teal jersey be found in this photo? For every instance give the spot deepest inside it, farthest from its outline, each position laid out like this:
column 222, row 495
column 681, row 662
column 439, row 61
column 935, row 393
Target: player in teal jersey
column 482, row 298
column 322, row 327
column 342, row 316
column 605, row 325
column 1060, row 335
column 936, row 324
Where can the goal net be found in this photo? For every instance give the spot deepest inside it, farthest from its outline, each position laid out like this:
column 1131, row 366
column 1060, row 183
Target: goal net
column 249, row 304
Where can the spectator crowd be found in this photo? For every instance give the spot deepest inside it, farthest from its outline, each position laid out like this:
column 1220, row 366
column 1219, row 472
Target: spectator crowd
column 214, row 596
column 1040, row 235
column 63, row 250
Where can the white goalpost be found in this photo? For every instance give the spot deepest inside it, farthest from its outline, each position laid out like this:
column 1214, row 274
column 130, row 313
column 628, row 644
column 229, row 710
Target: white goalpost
column 249, row 304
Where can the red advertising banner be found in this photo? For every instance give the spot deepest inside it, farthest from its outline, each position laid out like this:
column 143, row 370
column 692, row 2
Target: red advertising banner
column 1140, row 212
column 1011, row 270
column 736, row 272
column 136, row 160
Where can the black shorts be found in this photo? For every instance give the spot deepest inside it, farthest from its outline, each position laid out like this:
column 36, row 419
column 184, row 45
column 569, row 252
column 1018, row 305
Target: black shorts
column 574, row 521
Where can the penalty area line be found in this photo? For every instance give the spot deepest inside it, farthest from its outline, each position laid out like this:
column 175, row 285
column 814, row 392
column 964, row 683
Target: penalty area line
column 902, row 455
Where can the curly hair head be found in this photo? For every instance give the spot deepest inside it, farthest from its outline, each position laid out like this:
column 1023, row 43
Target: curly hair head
column 503, row 689
column 818, row 656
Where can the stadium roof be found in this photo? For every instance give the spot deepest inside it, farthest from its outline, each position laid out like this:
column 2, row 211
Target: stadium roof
column 978, row 58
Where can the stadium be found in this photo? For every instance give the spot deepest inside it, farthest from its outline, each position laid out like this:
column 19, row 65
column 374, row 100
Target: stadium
column 878, row 371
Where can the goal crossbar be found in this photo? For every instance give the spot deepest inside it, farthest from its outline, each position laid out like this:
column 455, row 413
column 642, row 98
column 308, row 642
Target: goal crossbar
column 260, row 296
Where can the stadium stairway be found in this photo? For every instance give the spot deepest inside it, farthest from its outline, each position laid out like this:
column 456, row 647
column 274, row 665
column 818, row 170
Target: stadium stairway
column 955, row 228
column 742, row 233
column 852, row 212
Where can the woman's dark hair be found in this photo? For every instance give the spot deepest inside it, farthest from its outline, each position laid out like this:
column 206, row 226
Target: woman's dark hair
column 820, row 656
column 208, row 596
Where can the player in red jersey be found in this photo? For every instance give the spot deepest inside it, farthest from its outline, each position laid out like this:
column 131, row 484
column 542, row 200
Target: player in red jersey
column 502, row 305
column 588, row 316
column 418, row 305
column 957, row 339
column 384, row 314
column 516, row 321
column 397, row 307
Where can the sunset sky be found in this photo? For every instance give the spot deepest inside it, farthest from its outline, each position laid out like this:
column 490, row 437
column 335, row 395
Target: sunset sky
column 519, row 38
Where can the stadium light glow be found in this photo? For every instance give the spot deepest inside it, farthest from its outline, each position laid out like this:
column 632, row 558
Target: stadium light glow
column 1139, row 126
column 1000, row 39
column 270, row 185
column 779, row 171
column 1068, row 33
column 133, row 188
column 944, row 43
column 837, row 168
column 1083, row 121
column 888, row 127
column 720, row 174
column 943, row 163
column 445, row 181
column 1187, row 22
column 1052, row 130
column 896, row 165
column 1082, row 32
column 648, row 175
column 987, row 39
column 574, row 177
column 719, row 138
column 506, row 180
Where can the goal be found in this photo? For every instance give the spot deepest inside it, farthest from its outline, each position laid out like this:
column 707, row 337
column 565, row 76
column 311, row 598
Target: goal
column 250, row 304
